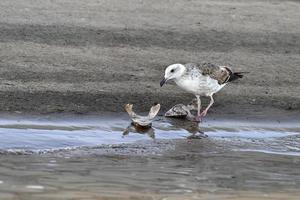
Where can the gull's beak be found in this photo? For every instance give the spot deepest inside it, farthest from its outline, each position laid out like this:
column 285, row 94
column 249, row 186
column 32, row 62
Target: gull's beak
column 163, row 82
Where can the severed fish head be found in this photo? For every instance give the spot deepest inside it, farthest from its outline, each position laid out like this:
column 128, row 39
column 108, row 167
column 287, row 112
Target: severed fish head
column 154, row 111
column 143, row 121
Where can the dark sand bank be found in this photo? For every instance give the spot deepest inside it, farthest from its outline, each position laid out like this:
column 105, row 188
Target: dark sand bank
column 75, row 56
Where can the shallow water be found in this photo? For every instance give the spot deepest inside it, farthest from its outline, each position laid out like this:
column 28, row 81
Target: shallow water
column 94, row 157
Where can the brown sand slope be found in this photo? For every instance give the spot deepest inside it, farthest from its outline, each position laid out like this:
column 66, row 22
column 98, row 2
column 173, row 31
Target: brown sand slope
column 73, row 55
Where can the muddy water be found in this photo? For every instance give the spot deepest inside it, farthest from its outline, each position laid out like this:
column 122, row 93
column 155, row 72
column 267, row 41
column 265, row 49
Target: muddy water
column 102, row 157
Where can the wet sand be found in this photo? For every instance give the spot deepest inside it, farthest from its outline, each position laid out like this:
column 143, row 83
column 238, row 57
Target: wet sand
column 201, row 169
column 192, row 174
column 75, row 56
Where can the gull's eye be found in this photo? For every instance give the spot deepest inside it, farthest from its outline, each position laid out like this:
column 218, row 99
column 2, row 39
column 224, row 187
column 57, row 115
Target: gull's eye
column 172, row 70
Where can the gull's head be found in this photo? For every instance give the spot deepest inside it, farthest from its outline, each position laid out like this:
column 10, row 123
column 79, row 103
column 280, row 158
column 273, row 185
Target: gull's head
column 174, row 71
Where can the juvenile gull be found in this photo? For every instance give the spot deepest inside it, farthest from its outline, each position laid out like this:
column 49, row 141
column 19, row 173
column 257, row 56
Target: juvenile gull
column 201, row 80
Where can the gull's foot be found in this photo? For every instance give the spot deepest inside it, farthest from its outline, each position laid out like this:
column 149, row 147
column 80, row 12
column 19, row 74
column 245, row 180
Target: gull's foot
column 198, row 118
column 201, row 116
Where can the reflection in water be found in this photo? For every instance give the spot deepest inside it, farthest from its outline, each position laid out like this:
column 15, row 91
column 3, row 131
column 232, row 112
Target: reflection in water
column 187, row 125
column 248, row 160
column 174, row 124
column 192, row 127
column 43, row 134
column 139, row 129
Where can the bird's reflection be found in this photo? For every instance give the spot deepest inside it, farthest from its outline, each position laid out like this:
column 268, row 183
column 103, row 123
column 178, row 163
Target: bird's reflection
column 190, row 126
column 134, row 128
column 173, row 124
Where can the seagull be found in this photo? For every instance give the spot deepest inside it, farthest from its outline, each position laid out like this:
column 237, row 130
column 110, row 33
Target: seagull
column 201, row 80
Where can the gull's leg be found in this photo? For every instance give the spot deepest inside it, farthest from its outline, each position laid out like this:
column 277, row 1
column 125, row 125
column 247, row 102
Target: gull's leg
column 198, row 118
column 199, row 104
column 203, row 114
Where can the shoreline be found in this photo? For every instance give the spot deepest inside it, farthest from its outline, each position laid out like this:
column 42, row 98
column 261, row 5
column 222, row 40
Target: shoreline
column 46, row 102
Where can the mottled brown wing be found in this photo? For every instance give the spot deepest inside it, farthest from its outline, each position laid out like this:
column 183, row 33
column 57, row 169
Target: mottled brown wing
column 215, row 72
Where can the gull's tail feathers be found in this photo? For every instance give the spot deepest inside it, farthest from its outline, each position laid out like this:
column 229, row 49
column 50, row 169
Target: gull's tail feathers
column 234, row 75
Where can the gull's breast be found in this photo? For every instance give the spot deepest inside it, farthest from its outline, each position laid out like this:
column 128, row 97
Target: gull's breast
column 201, row 85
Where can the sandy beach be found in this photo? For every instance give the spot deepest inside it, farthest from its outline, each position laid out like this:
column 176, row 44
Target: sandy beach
column 93, row 56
